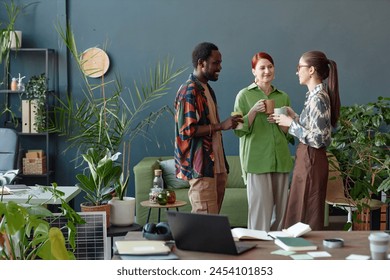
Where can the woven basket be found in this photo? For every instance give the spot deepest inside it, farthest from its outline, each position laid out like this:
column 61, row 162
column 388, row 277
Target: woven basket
column 93, row 208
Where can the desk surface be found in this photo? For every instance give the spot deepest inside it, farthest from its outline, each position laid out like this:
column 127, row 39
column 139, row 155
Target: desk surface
column 41, row 197
column 355, row 242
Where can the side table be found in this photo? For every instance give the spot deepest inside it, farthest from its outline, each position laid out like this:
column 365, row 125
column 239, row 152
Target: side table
column 114, row 231
column 176, row 204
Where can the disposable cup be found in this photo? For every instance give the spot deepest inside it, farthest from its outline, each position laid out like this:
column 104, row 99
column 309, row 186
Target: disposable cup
column 379, row 245
column 280, row 111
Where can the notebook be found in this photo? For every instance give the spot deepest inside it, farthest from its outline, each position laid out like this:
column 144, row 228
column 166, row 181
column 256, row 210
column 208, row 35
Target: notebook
column 149, row 247
column 205, row 233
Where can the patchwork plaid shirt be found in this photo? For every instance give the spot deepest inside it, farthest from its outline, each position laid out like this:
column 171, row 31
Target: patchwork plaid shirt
column 194, row 156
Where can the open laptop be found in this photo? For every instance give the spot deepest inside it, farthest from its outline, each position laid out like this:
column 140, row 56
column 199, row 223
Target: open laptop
column 204, row 233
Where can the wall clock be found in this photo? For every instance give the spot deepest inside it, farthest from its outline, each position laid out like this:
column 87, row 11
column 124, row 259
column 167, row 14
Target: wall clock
column 94, row 62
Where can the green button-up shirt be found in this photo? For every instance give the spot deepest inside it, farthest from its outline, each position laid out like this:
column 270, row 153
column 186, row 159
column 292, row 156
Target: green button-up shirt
column 263, row 146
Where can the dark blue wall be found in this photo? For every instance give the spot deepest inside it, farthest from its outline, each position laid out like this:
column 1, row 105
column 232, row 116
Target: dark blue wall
column 139, row 32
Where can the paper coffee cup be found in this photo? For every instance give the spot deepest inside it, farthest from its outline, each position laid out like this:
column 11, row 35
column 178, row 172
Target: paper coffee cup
column 239, row 125
column 280, row 111
column 379, row 245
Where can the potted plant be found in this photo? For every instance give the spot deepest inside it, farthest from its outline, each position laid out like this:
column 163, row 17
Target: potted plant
column 122, row 206
column 361, row 145
column 35, row 92
column 98, row 180
column 25, row 234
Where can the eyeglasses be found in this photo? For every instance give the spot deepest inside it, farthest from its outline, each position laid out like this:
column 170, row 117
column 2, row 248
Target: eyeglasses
column 300, row 66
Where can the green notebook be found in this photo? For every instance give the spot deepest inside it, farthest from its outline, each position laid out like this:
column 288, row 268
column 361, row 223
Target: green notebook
column 295, row 244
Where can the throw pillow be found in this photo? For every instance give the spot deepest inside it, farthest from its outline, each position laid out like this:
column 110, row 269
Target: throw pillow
column 169, row 175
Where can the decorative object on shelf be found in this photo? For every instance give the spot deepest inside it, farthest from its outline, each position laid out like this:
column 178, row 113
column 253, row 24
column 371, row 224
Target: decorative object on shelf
column 16, row 39
column 14, row 84
column 20, row 85
column 36, row 91
column 98, row 180
column 34, row 163
column 94, row 62
column 361, row 144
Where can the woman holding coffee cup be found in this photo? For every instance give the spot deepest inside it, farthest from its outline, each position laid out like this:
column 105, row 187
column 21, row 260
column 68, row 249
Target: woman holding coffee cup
column 264, row 153
column 313, row 129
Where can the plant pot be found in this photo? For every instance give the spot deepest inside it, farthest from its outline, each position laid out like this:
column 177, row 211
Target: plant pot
column 122, row 211
column 86, row 207
column 15, row 39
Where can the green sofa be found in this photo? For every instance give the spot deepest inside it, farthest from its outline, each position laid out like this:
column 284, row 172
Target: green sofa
column 235, row 204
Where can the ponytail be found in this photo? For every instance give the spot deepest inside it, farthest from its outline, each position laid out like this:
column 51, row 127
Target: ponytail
column 333, row 91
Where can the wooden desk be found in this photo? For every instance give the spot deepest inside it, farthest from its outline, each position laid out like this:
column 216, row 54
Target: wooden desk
column 41, row 197
column 355, row 242
column 147, row 203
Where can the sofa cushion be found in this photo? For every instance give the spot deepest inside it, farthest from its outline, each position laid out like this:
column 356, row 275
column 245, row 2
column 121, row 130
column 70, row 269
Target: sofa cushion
column 169, row 175
column 235, row 179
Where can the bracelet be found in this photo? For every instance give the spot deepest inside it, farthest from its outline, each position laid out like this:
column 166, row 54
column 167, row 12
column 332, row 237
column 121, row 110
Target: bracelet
column 210, row 130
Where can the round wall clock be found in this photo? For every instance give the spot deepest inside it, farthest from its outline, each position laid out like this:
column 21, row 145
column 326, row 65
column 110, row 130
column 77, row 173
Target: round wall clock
column 94, row 62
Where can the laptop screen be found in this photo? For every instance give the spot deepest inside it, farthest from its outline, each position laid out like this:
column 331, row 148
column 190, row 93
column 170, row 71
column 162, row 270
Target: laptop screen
column 202, row 232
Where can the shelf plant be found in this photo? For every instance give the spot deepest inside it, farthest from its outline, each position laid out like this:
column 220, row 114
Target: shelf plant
column 36, row 91
column 361, row 144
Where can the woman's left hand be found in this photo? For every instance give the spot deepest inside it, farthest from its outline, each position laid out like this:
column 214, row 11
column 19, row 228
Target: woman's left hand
column 283, row 120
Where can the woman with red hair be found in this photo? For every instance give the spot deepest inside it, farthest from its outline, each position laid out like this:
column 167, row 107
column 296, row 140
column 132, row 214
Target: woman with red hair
column 264, row 153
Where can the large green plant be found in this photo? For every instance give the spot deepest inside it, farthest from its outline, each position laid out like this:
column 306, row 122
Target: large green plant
column 361, row 145
column 25, row 234
column 107, row 115
column 99, row 178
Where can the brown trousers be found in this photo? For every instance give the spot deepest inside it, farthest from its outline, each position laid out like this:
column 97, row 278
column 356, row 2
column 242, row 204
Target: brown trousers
column 206, row 194
column 306, row 202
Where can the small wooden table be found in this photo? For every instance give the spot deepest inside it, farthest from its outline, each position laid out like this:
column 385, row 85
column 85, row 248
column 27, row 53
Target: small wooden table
column 176, row 204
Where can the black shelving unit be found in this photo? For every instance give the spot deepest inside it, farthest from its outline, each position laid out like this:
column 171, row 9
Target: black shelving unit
column 30, row 62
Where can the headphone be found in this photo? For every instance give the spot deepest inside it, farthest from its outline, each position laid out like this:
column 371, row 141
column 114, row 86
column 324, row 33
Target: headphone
column 161, row 231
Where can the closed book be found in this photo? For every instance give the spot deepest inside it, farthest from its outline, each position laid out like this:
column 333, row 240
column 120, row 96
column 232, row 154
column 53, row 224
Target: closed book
column 295, row 244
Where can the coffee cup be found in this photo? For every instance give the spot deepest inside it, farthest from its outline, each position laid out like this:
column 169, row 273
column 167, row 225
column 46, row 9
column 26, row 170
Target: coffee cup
column 280, row 111
column 239, row 125
column 379, row 245
column 269, row 106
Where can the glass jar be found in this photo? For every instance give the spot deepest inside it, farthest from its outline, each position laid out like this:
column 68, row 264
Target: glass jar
column 171, row 196
column 162, row 198
column 153, row 194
